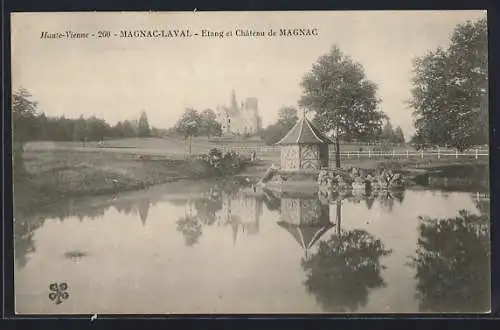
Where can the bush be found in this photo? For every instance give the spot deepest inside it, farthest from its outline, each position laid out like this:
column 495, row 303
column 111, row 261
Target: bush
column 225, row 163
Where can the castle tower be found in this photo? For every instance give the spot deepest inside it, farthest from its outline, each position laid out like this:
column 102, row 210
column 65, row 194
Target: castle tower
column 239, row 118
column 233, row 104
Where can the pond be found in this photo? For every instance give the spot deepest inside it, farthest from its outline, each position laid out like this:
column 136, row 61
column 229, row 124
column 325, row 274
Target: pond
column 209, row 247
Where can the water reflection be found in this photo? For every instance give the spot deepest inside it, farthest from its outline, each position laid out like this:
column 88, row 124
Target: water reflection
column 223, row 208
column 24, row 244
column 346, row 266
column 83, row 209
column 344, row 269
column 471, row 177
column 352, row 253
column 306, row 219
column 452, row 262
column 190, row 227
column 386, row 198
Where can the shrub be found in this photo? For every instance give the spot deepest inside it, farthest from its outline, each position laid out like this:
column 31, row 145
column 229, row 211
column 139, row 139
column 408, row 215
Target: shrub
column 225, row 163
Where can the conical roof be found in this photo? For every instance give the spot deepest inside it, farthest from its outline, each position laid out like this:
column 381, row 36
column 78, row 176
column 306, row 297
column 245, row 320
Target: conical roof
column 306, row 236
column 304, row 132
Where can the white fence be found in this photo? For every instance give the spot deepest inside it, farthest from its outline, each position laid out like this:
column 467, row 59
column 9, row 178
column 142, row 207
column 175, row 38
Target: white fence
column 413, row 154
column 358, row 154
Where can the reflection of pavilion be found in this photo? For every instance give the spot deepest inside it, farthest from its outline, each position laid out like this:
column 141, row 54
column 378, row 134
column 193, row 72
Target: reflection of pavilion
column 307, row 219
column 242, row 213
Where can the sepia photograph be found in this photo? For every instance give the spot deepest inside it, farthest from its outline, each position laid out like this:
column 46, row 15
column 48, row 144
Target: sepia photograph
column 232, row 162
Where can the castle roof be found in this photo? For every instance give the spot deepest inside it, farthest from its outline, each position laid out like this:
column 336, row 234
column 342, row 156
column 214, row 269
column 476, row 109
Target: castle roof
column 304, row 132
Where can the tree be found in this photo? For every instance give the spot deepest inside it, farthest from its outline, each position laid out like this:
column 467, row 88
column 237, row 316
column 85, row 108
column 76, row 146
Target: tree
column 97, row 128
column 388, row 132
column 399, row 136
column 128, row 129
column 143, row 129
column 209, row 125
column 24, row 111
column 189, row 125
column 287, row 117
column 343, row 100
column 80, row 129
column 450, row 93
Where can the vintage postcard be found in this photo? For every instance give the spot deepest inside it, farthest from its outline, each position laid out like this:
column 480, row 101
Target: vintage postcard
column 251, row 162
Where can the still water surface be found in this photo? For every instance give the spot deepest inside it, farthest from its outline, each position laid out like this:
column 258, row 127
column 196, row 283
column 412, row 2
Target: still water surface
column 203, row 248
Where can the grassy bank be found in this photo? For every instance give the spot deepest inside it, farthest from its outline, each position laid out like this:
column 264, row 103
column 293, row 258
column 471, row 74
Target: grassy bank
column 57, row 174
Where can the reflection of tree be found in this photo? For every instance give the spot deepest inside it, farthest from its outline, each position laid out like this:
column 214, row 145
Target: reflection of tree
column 453, row 264
column 207, row 208
column 124, row 206
column 23, row 245
column 344, row 269
column 24, row 230
column 190, row 227
column 483, row 206
column 387, row 198
column 143, row 207
column 369, row 202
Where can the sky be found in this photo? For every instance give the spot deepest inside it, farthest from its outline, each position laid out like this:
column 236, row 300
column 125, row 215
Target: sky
column 117, row 78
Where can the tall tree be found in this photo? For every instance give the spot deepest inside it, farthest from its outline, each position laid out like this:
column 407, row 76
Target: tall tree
column 399, row 136
column 388, row 132
column 80, row 129
column 24, row 111
column 343, row 100
column 287, row 117
column 450, row 93
column 143, row 129
column 189, row 125
column 209, row 125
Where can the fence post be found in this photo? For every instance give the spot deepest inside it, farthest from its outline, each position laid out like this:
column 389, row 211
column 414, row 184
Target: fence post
column 348, row 155
column 406, row 153
column 357, row 153
column 456, row 153
column 439, row 153
column 421, row 153
column 393, row 152
column 369, row 153
column 476, row 153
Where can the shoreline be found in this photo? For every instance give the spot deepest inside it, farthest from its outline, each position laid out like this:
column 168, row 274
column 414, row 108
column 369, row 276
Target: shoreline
column 111, row 174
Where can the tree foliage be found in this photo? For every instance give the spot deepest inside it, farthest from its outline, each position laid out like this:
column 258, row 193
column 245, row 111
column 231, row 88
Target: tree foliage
column 31, row 125
column 392, row 135
column 143, row 129
column 24, row 114
column 24, row 126
column 450, row 93
column 342, row 98
column 189, row 124
column 287, row 117
column 398, row 135
column 209, row 125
